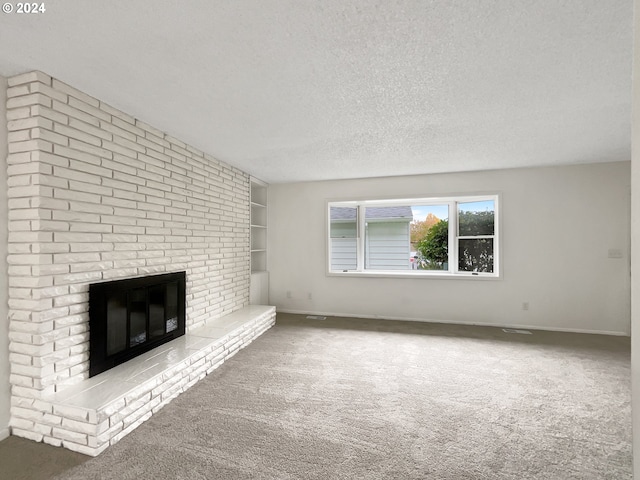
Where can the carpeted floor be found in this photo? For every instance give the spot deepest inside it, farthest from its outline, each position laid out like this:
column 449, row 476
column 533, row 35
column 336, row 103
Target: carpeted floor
column 372, row 399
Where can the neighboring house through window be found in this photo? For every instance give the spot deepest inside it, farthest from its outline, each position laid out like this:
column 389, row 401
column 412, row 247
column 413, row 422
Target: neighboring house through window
column 419, row 236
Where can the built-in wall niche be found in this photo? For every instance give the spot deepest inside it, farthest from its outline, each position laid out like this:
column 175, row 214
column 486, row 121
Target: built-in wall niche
column 131, row 316
column 258, row 226
column 259, row 292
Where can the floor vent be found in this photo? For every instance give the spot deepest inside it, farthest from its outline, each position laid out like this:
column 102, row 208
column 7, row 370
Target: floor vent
column 516, row 330
column 316, row 317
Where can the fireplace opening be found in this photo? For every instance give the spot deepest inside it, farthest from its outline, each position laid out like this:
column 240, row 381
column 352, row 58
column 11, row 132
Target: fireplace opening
column 131, row 316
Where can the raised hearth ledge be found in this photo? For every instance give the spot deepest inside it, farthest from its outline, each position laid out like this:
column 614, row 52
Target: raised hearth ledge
column 92, row 415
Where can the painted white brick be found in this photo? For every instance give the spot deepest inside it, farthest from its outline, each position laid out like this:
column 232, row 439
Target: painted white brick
column 65, row 300
column 82, row 368
column 18, row 91
column 120, row 273
column 74, row 413
column 21, row 380
column 18, row 432
column 63, row 434
column 49, row 114
column 28, row 214
column 31, row 371
column 88, row 105
column 43, row 429
column 49, row 136
column 77, row 237
column 77, row 175
column 90, row 168
column 76, row 154
column 91, row 227
column 90, row 129
column 26, row 413
column 20, row 359
column 50, row 248
column 20, row 423
column 72, row 216
column 49, row 225
column 72, row 340
column 89, row 148
column 29, row 77
column 88, row 277
column 52, row 441
column 80, row 427
column 29, row 123
column 92, row 247
column 20, row 136
column 72, row 360
column 90, row 208
column 160, row 211
column 118, row 147
column 49, row 269
column 110, row 410
column 28, row 100
column 64, row 88
column 51, row 358
column 68, row 112
column 31, row 350
column 20, row 337
column 31, row 191
column 18, row 113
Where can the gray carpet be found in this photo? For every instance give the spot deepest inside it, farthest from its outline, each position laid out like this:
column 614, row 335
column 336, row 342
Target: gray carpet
column 367, row 399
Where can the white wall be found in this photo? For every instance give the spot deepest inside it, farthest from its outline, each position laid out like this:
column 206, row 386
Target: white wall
column 4, row 319
column 558, row 224
column 635, row 248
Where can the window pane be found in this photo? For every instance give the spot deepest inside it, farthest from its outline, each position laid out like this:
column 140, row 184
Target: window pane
column 343, row 232
column 476, row 218
column 430, row 237
column 387, row 238
column 475, row 255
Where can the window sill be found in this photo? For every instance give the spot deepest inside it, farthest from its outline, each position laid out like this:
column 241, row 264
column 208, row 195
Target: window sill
column 415, row 274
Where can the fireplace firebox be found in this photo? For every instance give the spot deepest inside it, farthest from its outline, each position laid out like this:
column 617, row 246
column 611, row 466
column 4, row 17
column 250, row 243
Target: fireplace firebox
column 131, row 316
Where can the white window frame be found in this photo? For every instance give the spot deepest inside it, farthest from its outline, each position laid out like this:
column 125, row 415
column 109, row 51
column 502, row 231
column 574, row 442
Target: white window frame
column 452, row 203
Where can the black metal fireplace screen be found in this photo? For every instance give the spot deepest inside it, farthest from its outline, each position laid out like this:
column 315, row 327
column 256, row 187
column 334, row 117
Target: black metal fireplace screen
column 132, row 316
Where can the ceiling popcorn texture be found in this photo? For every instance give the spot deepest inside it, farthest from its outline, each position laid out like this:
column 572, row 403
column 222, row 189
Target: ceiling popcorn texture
column 300, row 90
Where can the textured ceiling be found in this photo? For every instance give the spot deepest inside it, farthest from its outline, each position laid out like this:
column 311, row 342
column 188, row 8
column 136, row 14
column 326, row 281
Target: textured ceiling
column 293, row 90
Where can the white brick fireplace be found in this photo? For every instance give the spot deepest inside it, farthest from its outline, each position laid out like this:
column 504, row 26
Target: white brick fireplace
column 95, row 195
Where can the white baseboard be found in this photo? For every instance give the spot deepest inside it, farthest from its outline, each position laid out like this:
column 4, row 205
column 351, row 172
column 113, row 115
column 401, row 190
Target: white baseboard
column 457, row 322
column 4, row 433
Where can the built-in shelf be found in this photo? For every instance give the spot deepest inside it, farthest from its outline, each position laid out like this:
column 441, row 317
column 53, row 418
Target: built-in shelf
column 259, row 277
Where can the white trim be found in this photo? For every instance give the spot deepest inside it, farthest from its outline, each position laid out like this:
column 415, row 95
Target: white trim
column 4, row 433
column 415, row 274
column 453, row 219
column 360, row 236
column 455, row 322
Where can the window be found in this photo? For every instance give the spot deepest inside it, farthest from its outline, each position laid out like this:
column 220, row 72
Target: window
column 417, row 236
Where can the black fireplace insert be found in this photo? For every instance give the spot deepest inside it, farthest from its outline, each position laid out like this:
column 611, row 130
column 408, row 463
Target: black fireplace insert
column 131, row 316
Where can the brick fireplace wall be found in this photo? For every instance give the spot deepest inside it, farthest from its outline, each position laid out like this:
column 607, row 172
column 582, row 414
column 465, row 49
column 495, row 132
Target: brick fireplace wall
column 95, row 195
column 5, row 397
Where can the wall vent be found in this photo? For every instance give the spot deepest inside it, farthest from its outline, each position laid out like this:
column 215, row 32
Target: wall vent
column 516, row 330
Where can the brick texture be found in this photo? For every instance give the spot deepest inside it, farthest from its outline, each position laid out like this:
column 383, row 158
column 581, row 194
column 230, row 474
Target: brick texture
column 96, row 195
